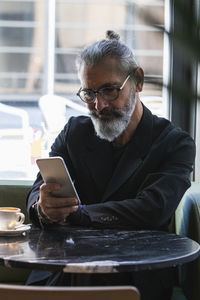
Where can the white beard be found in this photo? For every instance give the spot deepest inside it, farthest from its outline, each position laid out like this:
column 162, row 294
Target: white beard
column 111, row 129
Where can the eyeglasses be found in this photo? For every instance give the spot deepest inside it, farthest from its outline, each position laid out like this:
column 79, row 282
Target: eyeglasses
column 109, row 93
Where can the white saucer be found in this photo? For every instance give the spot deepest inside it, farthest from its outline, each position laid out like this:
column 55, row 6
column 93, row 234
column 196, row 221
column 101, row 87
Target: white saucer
column 15, row 231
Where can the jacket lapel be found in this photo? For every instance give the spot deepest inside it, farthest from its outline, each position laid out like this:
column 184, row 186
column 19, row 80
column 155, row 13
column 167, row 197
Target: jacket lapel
column 127, row 166
column 98, row 157
column 133, row 155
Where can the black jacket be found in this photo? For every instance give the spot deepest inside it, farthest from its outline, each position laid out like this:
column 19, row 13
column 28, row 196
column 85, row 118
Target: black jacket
column 147, row 183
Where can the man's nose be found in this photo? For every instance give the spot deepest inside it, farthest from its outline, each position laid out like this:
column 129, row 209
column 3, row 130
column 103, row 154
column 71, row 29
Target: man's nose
column 100, row 103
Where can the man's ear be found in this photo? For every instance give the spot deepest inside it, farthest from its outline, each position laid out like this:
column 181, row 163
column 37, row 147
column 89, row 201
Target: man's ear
column 138, row 78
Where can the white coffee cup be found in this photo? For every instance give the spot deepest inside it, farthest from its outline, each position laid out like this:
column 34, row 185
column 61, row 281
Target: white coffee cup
column 10, row 217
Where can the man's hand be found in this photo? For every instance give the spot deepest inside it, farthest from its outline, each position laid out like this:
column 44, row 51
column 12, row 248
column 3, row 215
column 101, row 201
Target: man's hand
column 56, row 209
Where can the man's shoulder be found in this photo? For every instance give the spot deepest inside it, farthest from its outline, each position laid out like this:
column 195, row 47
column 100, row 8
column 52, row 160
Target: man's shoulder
column 165, row 131
column 79, row 127
column 80, row 123
column 76, row 131
column 155, row 126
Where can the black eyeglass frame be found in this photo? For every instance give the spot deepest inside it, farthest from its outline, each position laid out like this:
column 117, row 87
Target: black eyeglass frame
column 99, row 91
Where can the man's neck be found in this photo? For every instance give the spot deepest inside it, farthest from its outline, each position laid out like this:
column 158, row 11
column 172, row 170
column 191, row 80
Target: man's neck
column 129, row 131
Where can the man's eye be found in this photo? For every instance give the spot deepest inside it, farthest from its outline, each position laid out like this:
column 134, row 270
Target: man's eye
column 86, row 93
column 108, row 90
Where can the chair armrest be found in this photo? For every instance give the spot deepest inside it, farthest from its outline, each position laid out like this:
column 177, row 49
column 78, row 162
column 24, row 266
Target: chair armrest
column 187, row 223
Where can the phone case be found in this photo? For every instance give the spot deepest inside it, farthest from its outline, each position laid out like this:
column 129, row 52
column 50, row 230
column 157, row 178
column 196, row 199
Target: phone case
column 54, row 170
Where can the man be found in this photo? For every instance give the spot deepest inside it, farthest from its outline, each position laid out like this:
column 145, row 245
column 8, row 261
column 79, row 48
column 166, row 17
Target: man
column 130, row 167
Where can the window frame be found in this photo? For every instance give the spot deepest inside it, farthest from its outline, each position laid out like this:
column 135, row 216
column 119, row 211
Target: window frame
column 182, row 111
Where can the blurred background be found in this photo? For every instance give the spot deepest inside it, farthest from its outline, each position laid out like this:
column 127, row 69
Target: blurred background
column 39, row 41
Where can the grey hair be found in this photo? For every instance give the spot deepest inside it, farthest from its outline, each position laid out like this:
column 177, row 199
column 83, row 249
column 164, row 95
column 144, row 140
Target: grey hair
column 112, row 47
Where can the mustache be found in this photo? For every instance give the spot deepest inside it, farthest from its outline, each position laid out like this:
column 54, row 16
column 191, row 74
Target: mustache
column 113, row 112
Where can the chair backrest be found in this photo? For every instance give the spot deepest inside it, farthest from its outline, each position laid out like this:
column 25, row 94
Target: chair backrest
column 187, row 221
column 10, row 292
column 15, row 195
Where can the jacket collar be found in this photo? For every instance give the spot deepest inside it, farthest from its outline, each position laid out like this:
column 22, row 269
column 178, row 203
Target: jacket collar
column 98, row 157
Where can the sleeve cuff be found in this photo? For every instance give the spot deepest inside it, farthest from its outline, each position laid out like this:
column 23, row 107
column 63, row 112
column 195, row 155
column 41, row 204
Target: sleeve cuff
column 80, row 217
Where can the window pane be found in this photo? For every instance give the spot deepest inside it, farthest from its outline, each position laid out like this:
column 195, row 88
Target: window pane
column 16, row 37
column 17, row 10
column 82, row 22
column 21, row 47
column 28, row 122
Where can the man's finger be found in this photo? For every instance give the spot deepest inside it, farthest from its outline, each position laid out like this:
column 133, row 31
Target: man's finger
column 56, row 202
column 63, row 202
column 59, row 214
column 49, row 187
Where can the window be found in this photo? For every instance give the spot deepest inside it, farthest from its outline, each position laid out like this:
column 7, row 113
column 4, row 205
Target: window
column 39, row 41
column 184, row 69
column 197, row 168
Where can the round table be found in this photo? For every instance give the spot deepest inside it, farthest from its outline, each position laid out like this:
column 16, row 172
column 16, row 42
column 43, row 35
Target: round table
column 88, row 250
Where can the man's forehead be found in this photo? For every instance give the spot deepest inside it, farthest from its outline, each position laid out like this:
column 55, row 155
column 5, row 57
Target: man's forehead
column 100, row 74
column 107, row 63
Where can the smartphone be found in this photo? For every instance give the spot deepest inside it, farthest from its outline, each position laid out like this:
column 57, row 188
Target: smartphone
column 54, row 170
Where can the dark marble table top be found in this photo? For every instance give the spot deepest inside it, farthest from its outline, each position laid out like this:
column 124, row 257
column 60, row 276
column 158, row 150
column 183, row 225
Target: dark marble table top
column 84, row 250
